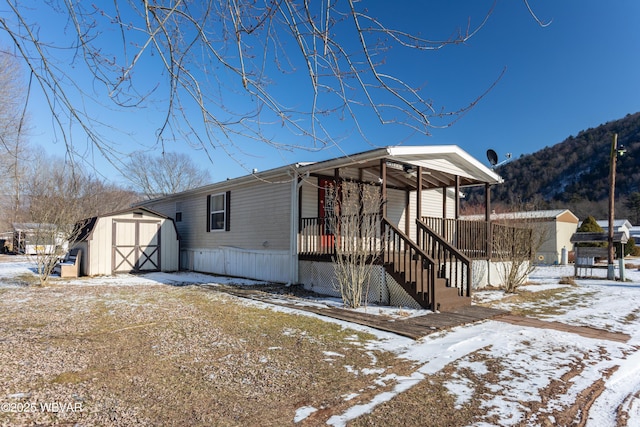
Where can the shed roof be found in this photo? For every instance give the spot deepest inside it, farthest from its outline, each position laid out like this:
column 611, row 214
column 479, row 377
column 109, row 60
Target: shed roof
column 617, row 223
column 538, row 215
column 88, row 224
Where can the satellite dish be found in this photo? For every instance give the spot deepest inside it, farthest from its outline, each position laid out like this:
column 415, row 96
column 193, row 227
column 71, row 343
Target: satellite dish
column 492, row 156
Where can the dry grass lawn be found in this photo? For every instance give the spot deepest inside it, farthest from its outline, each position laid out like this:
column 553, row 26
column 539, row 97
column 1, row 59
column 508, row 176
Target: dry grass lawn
column 162, row 355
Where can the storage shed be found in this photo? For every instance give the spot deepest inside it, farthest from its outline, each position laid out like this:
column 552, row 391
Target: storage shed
column 553, row 227
column 137, row 240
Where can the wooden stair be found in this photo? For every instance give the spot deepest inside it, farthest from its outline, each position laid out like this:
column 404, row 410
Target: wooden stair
column 445, row 298
column 424, row 279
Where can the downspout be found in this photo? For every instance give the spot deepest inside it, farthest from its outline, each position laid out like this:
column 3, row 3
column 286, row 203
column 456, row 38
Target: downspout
column 296, row 184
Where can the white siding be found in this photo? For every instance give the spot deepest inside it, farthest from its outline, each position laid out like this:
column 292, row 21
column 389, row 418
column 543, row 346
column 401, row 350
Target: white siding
column 170, row 247
column 431, row 206
column 257, row 243
column 100, row 244
column 309, row 198
column 432, row 203
column 259, row 218
column 396, row 203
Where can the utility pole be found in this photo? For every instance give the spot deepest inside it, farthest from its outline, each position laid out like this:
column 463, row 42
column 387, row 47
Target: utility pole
column 612, row 187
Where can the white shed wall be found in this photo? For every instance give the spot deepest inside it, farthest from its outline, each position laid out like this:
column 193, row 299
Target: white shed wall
column 97, row 251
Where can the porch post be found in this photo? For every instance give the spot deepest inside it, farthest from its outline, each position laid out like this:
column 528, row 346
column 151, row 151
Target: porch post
column 383, row 177
column 487, row 218
column 444, row 202
column 407, row 209
column 445, row 232
column 418, row 200
column 338, row 203
column 456, row 208
column 456, row 197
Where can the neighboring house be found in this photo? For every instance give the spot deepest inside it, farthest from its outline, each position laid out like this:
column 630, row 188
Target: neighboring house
column 553, row 227
column 272, row 225
column 634, row 232
column 136, row 240
column 619, row 225
column 36, row 238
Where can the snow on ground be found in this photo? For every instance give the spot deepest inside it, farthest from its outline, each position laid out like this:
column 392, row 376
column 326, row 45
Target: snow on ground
column 534, row 358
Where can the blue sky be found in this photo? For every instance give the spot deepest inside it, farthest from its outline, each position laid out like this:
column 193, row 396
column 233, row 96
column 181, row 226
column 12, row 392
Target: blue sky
column 580, row 71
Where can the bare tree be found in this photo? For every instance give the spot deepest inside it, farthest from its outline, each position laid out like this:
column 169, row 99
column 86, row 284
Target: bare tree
column 516, row 239
column 54, row 209
column 221, row 62
column 169, row 173
column 355, row 223
column 14, row 149
column 60, row 199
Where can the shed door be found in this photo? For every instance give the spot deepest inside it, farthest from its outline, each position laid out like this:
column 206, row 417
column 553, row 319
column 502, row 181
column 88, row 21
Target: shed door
column 136, row 246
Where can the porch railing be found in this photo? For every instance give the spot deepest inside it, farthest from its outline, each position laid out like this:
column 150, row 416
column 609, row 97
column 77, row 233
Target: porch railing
column 318, row 237
column 452, row 263
column 315, row 237
column 468, row 236
column 408, row 264
column 471, row 237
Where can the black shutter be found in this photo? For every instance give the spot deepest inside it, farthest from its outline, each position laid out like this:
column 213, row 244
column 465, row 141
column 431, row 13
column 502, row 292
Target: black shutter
column 227, row 208
column 208, row 213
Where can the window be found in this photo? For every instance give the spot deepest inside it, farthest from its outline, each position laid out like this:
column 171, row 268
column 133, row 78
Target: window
column 218, row 211
column 178, row 212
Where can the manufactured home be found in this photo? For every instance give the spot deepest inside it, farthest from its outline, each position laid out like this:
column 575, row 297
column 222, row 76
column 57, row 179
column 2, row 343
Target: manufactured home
column 273, row 225
column 37, row 238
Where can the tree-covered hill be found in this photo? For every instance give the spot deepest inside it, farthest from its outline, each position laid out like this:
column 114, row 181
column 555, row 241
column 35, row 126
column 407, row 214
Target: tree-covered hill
column 574, row 174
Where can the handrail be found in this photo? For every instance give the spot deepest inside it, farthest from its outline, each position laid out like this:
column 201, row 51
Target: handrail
column 455, row 266
column 409, row 263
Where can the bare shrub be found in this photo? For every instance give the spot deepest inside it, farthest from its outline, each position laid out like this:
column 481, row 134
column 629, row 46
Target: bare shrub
column 355, row 223
column 516, row 239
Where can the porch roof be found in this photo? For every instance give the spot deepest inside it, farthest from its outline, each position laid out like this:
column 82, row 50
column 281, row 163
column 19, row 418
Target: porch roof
column 441, row 165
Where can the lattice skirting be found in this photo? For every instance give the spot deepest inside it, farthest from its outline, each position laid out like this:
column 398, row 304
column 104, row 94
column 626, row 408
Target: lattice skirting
column 320, row 277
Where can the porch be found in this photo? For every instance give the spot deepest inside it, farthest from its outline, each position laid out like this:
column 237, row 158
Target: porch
column 419, row 240
column 434, row 268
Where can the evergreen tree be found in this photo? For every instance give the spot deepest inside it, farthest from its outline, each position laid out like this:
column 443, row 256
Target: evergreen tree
column 590, row 225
